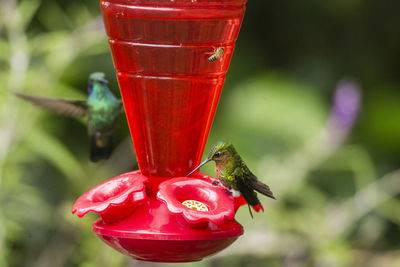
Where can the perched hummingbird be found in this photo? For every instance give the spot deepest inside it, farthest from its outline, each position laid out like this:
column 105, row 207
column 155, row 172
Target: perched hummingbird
column 234, row 174
column 101, row 108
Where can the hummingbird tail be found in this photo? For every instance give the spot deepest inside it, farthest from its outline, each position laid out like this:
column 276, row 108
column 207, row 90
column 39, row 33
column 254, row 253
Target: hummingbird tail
column 251, row 214
column 257, row 208
column 100, row 152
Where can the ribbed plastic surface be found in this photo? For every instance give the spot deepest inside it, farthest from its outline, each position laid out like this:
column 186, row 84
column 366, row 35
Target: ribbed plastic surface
column 160, row 49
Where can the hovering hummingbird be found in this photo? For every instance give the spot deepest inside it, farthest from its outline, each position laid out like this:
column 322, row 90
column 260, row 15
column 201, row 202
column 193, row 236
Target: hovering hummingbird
column 234, row 174
column 101, row 108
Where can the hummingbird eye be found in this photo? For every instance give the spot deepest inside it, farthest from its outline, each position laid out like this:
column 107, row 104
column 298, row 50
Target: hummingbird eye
column 217, row 154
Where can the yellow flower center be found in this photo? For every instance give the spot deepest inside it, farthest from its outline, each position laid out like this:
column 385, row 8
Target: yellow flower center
column 195, row 205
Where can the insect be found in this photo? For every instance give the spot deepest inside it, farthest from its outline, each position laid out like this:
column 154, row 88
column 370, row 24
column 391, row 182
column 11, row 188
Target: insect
column 217, row 54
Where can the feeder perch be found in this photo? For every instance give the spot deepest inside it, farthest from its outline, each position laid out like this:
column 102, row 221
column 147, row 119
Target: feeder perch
column 170, row 92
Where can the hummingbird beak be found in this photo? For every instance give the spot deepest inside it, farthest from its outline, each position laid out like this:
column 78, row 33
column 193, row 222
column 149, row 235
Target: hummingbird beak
column 198, row 167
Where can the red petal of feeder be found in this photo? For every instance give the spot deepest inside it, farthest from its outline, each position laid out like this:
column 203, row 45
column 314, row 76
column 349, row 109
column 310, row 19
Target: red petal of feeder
column 114, row 199
column 240, row 201
column 175, row 192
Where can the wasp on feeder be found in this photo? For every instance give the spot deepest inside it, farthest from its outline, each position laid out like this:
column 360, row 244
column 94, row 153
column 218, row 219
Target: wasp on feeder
column 216, row 54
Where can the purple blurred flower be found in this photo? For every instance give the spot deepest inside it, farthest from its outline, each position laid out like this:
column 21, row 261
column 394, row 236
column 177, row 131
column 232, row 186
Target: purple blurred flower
column 346, row 104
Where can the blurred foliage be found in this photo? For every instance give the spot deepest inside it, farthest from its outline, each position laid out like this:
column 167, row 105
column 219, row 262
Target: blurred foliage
column 337, row 203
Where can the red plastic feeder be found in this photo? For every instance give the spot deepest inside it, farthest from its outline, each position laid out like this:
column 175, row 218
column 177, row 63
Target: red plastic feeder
column 170, row 91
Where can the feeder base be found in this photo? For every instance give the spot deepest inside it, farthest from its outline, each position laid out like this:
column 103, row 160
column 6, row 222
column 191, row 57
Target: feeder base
column 177, row 251
column 152, row 233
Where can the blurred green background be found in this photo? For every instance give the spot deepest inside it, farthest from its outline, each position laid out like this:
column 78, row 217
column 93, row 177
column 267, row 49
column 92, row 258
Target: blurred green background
column 338, row 199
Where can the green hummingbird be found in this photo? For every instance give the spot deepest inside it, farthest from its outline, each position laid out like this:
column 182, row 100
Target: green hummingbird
column 234, row 174
column 102, row 110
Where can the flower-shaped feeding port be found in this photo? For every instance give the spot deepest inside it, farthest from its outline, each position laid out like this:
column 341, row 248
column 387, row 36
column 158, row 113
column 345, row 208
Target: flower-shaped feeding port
column 197, row 201
column 114, row 199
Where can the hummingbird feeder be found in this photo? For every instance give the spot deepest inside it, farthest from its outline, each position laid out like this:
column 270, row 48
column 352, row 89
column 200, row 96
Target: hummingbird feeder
column 170, row 92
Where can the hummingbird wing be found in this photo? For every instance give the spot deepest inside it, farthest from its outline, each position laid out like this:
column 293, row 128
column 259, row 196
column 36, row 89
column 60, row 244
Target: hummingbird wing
column 73, row 108
column 260, row 186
